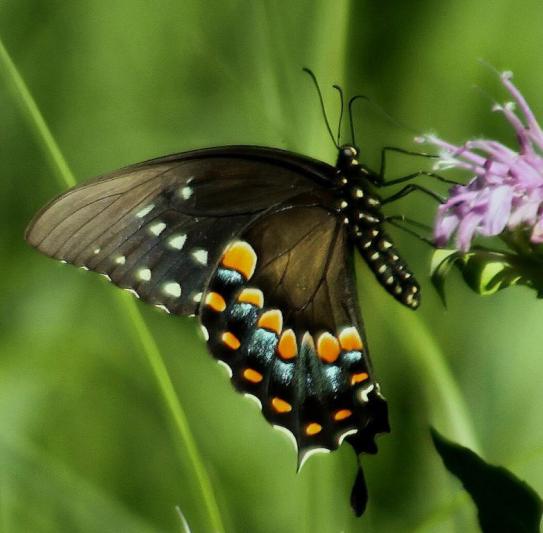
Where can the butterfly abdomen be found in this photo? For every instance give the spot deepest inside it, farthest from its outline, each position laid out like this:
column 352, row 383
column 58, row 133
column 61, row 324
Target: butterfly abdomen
column 389, row 268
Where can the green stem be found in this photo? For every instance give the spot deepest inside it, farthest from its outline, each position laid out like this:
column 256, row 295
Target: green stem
column 150, row 348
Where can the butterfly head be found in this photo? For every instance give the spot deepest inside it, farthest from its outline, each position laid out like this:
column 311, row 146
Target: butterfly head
column 347, row 156
column 350, row 171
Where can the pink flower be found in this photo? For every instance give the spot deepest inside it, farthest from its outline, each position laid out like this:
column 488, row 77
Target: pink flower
column 506, row 191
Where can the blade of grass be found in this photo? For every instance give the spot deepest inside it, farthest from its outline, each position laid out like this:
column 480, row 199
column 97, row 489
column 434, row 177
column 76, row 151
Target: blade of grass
column 28, row 105
column 150, row 347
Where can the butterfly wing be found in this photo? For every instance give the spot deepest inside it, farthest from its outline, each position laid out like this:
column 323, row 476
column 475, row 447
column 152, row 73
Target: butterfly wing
column 156, row 228
column 280, row 311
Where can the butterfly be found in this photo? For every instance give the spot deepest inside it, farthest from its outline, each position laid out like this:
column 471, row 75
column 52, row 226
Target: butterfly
column 259, row 244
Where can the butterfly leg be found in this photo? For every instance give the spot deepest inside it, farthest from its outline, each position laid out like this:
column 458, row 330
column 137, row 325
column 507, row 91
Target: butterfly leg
column 408, row 189
column 381, row 175
column 395, row 220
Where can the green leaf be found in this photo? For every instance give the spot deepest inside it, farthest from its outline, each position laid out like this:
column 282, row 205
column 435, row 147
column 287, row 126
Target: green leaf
column 440, row 266
column 504, row 502
column 486, row 272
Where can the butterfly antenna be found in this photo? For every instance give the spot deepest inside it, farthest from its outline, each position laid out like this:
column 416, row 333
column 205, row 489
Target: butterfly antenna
column 340, row 91
column 313, row 77
column 381, row 110
column 351, row 121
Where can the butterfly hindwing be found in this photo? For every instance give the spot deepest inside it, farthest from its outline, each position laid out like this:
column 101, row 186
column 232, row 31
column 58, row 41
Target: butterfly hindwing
column 280, row 312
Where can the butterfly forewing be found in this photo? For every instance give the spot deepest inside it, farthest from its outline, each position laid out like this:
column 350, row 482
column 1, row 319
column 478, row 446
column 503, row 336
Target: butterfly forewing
column 158, row 228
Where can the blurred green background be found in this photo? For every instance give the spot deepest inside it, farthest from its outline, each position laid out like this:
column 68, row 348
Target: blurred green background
column 86, row 442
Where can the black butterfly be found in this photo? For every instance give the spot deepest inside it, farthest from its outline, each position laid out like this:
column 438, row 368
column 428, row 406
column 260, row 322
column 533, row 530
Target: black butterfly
column 258, row 243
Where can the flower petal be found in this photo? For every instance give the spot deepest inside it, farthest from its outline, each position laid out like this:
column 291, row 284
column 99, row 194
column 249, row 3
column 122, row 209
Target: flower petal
column 498, row 210
column 444, row 228
column 466, row 230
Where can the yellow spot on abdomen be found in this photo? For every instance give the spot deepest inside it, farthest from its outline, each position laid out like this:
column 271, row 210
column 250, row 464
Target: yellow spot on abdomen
column 287, row 347
column 281, row 406
column 349, row 338
column 230, row 340
column 313, row 428
column 252, row 375
column 271, row 320
column 241, row 257
column 251, row 296
column 359, row 377
column 328, row 348
column 342, row 414
column 215, row 301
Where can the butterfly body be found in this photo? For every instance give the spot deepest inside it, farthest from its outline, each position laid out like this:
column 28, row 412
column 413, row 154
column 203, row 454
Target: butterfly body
column 258, row 243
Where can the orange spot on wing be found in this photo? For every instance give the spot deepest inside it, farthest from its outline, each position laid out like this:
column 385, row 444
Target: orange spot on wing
column 287, row 347
column 349, row 338
column 281, row 406
column 359, row 377
column 272, row 320
column 328, row 348
column 252, row 375
column 342, row 414
column 241, row 257
column 313, row 428
column 215, row 301
column 251, row 296
column 230, row 340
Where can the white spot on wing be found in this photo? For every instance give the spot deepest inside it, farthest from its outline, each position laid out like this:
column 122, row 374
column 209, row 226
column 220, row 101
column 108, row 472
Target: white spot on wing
column 96, row 251
column 343, row 436
column 197, row 297
column 226, row 367
column 308, row 453
column 172, row 288
column 145, row 211
column 121, row 260
column 363, row 393
column 200, row 256
column 162, row 308
column 205, row 333
column 177, row 241
column 289, row 434
column 186, row 192
column 254, row 399
column 157, row 228
column 144, row 274
column 132, row 291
